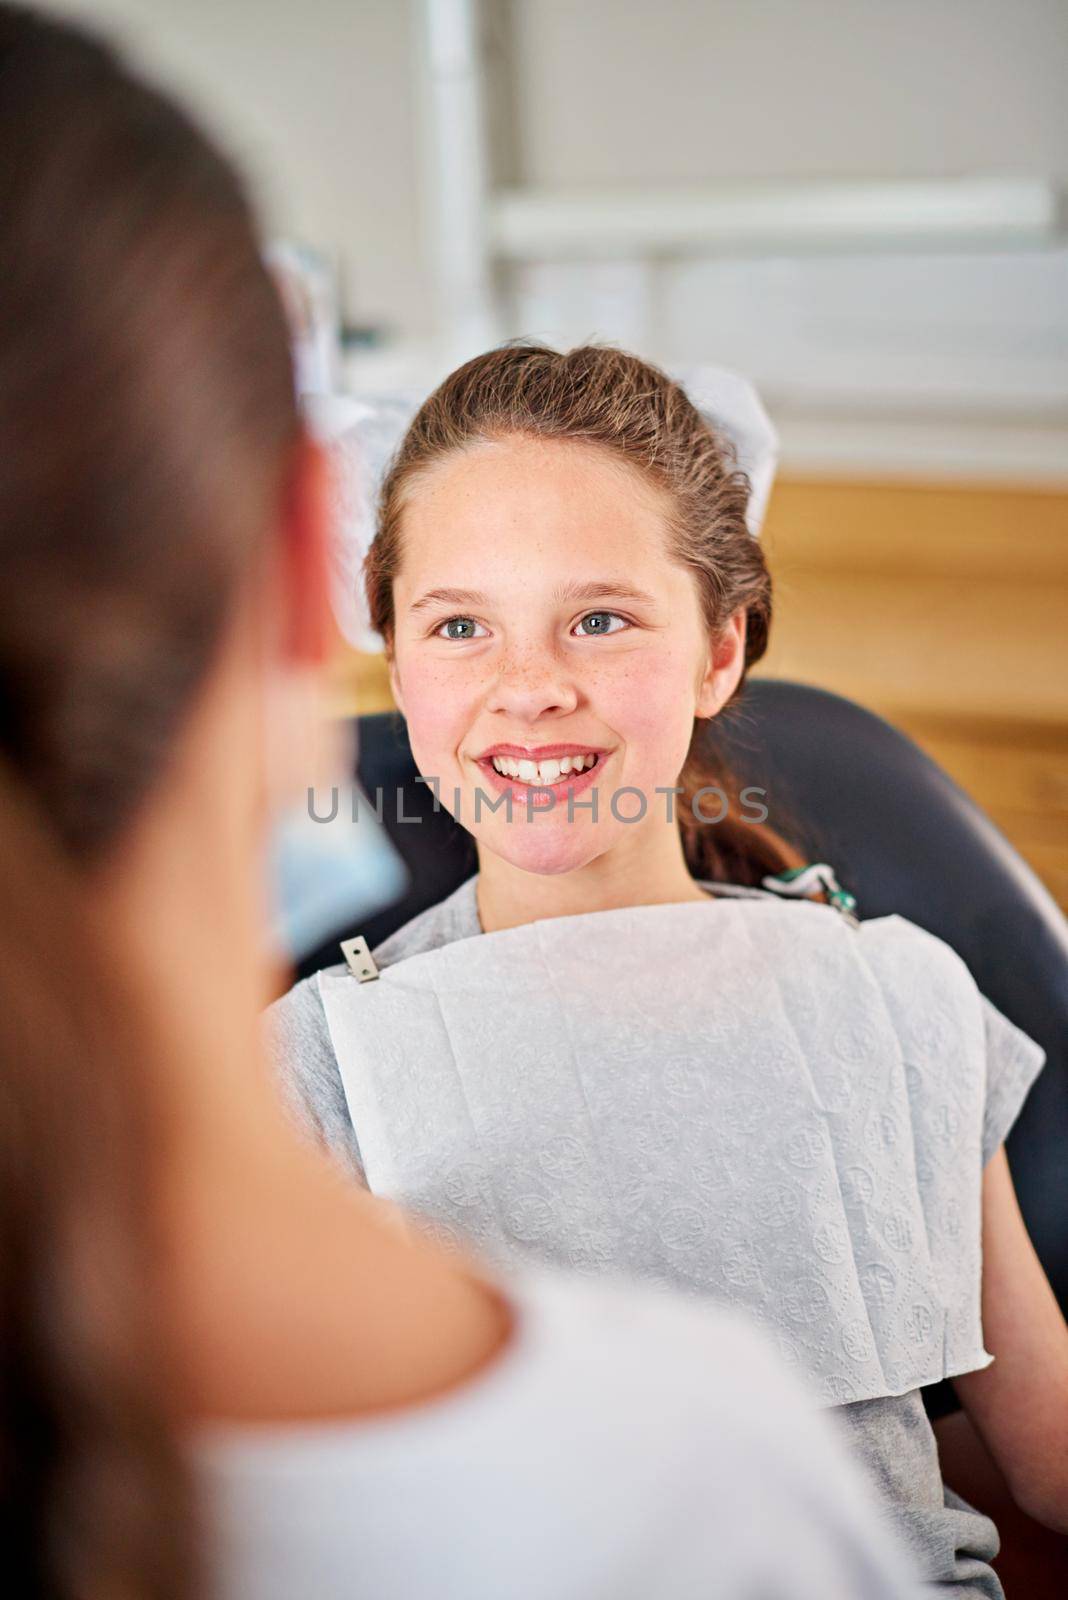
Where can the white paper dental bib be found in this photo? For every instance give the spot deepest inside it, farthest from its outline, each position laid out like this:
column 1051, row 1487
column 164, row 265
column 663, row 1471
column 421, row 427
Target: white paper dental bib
column 749, row 1099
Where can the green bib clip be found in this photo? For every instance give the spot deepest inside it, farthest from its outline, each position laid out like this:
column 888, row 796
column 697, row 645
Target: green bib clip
column 804, row 883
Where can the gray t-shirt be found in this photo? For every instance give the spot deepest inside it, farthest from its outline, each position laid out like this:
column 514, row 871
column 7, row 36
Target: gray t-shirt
column 626, row 1445
column 892, row 1436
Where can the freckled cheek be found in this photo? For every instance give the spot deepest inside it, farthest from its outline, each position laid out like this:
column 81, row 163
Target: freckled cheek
column 650, row 704
column 440, row 707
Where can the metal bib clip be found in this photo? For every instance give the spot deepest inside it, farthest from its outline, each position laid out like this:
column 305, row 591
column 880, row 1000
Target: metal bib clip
column 359, row 958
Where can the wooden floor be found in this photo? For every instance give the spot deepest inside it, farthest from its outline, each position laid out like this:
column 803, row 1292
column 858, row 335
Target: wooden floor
column 943, row 609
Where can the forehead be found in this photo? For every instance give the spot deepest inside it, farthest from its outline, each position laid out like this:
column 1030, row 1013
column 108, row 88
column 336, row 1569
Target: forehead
column 519, row 497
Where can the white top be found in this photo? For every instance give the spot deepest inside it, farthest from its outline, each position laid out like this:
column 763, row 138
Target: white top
column 625, row 1446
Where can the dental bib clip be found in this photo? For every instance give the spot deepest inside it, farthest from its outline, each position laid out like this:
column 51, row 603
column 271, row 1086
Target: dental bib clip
column 804, row 883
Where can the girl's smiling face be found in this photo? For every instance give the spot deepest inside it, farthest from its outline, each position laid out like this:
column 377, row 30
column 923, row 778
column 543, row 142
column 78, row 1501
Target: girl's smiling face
column 539, row 616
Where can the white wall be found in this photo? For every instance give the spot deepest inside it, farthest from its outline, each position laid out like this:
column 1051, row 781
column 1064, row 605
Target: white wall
column 692, row 90
column 955, row 357
column 320, row 100
column 317, row 99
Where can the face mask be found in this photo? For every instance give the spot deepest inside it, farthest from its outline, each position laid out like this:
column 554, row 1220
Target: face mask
column 326, row 871
column 329, row 875
column 330, row 862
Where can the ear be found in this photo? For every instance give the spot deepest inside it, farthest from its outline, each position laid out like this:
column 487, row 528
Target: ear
column 394, row 680
column 308, row 631
column 726, row 663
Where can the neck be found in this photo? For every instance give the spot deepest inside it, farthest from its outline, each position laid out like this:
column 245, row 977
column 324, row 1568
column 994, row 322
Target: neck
column 647, row 867
column 285, row 1291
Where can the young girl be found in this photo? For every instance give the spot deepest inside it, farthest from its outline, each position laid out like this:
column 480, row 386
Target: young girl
column 612, row 1047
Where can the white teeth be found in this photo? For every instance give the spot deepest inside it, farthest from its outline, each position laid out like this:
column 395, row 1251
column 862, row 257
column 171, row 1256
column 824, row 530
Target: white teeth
column 543, row 773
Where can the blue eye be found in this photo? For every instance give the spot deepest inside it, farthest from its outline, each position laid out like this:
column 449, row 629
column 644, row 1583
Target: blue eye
column 457, row 628
column 600, row 622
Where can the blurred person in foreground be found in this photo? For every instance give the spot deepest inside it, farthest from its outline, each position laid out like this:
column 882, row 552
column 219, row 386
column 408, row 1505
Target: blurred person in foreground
column 224, row 1370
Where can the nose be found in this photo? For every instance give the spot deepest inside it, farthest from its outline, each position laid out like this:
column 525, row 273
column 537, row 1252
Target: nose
column 532, row 683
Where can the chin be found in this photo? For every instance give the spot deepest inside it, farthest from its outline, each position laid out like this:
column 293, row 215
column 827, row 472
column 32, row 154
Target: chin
column 545, row 851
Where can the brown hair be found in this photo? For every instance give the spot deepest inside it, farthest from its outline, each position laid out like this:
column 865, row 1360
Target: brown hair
column 604, row 397
column 96, row 1499
column 147, row 415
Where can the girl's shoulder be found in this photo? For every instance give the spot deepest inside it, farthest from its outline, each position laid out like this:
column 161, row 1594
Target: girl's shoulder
column 915, row 959
column 947, row 1028
column 938, row 1008
column 455, row 917
column 892, row 942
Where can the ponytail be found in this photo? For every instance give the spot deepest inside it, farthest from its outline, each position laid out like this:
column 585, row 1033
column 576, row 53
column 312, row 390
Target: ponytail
column 96, row 1500
column 721, row 839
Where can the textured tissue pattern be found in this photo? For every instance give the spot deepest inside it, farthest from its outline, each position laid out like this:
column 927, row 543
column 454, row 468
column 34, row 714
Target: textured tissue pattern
column 748, row 1100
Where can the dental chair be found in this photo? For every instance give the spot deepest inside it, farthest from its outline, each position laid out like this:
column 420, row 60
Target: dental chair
column 849, row 789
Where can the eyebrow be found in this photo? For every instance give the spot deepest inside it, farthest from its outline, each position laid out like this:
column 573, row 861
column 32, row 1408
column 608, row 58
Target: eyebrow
column 611, row 589
column 447, row 597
